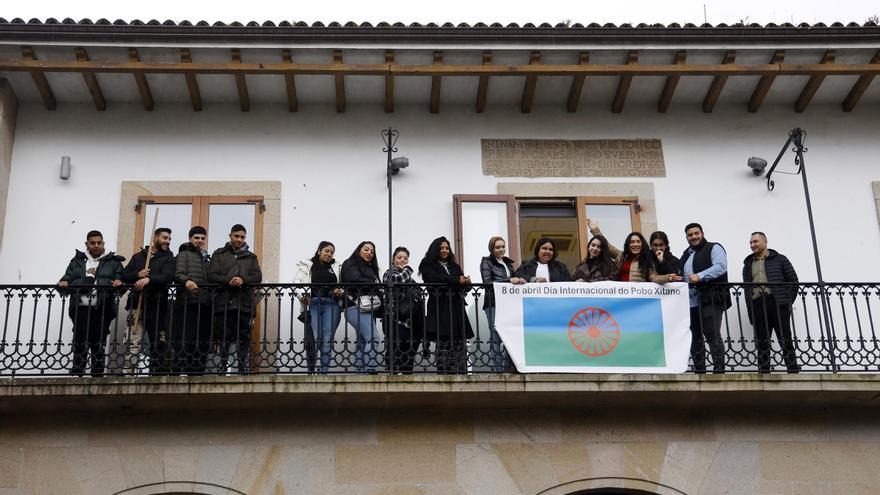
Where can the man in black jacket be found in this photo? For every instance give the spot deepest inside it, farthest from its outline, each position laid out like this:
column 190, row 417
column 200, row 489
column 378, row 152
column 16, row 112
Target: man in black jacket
column 91, row 309
column 151, row 289
column 236, row 267
column 769, row 308
column 192, row 318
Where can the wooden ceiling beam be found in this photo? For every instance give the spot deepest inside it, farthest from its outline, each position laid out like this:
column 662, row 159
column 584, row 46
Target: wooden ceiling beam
column 389, row 83
column 91, row 81
column 671, row 84
column 483, row 84
column 577, row 85
column 528, row 96
column 435, row 85
column 718, row 84
column 244, row 99
column 40, row 80
column 859, row 88
column 624, row 83
column 23, row 65
column 191, row 83
column 141, row 80
column 290, row 82
column 339, row 77
column 813, row 84
column 764, row 84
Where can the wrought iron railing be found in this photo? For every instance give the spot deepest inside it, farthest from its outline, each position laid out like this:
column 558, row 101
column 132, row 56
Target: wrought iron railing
column 270, row 329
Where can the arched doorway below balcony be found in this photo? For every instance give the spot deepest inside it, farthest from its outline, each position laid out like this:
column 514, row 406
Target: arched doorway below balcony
column 180, row 488
column 611, row 486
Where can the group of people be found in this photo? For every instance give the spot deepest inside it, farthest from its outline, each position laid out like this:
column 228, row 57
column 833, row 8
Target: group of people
column 703, row 265
column 207, row 320
column 202, row 320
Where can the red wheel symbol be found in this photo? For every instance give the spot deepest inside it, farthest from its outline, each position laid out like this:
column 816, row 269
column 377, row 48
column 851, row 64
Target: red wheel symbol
column 593, row 331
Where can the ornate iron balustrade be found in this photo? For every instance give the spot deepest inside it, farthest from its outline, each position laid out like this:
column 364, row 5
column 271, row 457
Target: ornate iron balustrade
column 179, row 332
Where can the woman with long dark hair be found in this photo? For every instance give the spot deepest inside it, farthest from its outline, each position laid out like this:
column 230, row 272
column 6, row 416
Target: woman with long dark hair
column 600, row 264
column 322, row 302
column 664, row 261
column 495, row 268
column 447, row 323
column 637, row 263
column 361, row 303
column 543, row 267
column 405, row 327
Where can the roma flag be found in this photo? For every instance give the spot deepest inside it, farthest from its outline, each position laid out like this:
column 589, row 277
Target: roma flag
column 602, row 327
column 586, row 331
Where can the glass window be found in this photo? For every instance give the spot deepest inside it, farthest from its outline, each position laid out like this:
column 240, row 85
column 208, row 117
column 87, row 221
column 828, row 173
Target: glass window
column 177, row 217
column 222, row 217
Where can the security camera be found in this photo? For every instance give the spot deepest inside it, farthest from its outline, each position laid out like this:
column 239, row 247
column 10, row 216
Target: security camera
column 399, row 163
column 757, row 165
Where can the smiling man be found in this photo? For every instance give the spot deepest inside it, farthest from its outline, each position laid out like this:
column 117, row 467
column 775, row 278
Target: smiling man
column 151, row 286
column 769, row 307
column 705, row 268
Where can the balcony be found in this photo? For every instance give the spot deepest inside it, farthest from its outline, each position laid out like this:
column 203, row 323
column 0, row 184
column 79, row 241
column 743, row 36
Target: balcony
column 832, row 326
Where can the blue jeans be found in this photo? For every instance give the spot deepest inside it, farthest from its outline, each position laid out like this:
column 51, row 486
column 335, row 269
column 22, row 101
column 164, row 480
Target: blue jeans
column 367, row 338
column 496, row 356
column 325, row 314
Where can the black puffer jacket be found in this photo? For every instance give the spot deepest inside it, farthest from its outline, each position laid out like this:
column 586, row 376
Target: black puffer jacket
column 779, row 270
column 226, row 264
column 558, row 271
column 109, row 269
column 191, row 265
column 492, row 271
column 161, row 276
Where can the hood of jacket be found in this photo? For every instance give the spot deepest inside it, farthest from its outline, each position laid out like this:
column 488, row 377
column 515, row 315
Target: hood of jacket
column 231, row 250
column 188, row 246
column 82, row 255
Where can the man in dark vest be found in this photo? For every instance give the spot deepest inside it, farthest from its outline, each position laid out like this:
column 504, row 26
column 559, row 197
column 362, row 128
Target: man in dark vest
column 705, row 268
column 769, row 307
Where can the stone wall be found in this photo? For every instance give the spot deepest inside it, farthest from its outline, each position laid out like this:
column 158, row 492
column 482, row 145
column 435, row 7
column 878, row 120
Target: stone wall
column 692, row 435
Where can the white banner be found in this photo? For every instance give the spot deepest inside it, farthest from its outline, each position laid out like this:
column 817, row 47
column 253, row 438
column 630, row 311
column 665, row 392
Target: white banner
column 599, row 327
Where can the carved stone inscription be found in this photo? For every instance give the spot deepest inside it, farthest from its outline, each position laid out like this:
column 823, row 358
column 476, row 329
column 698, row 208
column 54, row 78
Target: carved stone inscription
column 566, row 158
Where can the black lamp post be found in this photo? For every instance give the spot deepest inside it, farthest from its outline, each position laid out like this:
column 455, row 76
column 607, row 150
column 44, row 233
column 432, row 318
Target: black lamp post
column 797, row 137
column 393, row 167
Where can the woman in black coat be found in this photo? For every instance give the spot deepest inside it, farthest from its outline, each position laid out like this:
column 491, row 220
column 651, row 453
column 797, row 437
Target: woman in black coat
column 495, row 268
column 543, row 267
column 447, row 323
column 361, row 268
column 664, row 261
column 405, row 323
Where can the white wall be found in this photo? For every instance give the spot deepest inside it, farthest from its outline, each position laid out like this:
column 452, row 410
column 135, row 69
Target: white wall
column 333, row 184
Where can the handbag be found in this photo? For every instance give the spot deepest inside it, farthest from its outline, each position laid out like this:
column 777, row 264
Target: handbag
column 369, row 304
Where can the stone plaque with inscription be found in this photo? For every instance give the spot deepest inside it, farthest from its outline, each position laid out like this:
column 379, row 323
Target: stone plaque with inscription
column 573, row 158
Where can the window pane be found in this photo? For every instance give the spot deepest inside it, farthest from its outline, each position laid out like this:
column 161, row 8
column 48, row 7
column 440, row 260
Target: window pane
column 479, row 222
column 177, row 217
column 222, row 217
column 614, row 221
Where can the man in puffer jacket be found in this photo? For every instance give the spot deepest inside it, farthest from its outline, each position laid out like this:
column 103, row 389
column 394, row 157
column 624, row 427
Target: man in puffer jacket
column 235, row 267
column 92, row 310
column 769, row 308
column 191, row 332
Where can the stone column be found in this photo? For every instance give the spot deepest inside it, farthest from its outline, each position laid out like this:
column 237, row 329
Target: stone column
column 8, row 110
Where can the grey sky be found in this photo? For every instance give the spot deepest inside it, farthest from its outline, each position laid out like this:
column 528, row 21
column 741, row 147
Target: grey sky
column 521, row 11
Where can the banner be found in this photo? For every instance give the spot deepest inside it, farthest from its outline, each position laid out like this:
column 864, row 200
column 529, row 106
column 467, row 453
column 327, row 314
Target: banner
column 599, row 327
